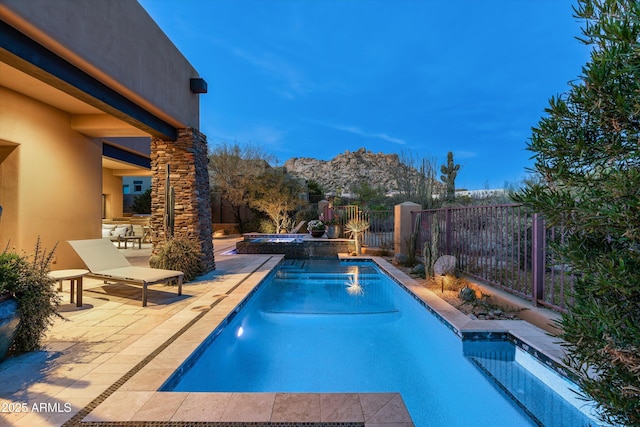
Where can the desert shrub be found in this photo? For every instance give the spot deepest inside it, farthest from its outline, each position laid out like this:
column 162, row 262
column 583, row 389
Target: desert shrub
column 306, row 215
column 179, row 254
column 267, row 226
column 467, row 294
column 26, row 277
column 419, row 271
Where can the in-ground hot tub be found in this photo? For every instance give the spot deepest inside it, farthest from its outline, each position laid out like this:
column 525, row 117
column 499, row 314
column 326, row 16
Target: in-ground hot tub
column 292, row 245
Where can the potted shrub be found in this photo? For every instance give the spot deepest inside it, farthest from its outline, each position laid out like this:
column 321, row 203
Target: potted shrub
column 334, row 226
column 9, row 317
column 28, row 294
column 316, row 228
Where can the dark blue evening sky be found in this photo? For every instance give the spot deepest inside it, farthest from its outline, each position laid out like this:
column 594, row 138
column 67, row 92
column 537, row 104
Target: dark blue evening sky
column 315, row 78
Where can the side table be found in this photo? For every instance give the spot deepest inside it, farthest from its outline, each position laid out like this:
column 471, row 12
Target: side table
column 133, row 239
column 73, row 275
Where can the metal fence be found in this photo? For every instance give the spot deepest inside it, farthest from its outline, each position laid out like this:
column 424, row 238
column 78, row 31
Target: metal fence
column 381, row 224
column 380, row 231
column 504, row 245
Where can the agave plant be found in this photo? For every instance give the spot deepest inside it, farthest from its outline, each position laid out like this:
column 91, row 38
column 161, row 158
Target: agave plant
column 355, row 228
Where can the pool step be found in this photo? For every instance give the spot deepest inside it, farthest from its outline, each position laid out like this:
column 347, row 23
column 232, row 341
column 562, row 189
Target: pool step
column 497, row 361
column 293, row 265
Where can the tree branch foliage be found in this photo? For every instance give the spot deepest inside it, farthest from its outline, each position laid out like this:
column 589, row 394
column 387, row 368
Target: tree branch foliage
column 422, row 187
column 586, row 154
column 276, row 194
column 232, row 169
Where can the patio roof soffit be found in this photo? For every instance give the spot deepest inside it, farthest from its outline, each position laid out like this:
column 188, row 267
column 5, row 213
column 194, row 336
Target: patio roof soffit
column 123, row 156
column 28, row 56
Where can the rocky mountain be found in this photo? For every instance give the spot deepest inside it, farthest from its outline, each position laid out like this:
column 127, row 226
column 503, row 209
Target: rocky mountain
column 340, row 174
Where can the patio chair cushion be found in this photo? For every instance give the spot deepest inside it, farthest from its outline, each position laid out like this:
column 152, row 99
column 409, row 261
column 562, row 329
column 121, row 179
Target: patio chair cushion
column 121, row 230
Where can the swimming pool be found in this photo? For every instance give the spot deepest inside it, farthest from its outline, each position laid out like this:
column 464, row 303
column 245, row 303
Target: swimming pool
column 324, row 326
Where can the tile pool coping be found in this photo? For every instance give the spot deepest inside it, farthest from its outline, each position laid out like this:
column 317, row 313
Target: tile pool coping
column 134, row 399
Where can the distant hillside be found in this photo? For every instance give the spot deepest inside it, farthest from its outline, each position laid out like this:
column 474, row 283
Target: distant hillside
column 340, row 174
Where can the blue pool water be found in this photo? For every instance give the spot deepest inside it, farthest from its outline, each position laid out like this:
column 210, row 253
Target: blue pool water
column 324, row 326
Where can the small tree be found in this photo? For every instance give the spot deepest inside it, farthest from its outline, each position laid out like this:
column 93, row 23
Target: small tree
column 142, row 203
column 232, row 169
column 314, row 188
column 587, row 158
column 449, row 174
column 417, row 181
column 367, row 196
column 277, row 195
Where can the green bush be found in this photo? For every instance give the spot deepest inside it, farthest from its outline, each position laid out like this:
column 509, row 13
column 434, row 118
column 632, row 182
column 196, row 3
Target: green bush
column 142, row 203
column 306, row 215
column 586, row 158
column 179, row 254
column 27, row 279
column 267, row 226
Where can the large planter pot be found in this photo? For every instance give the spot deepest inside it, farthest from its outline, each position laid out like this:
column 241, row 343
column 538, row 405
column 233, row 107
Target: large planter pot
column 317, row 233
column 9, row 320
column 333, row 231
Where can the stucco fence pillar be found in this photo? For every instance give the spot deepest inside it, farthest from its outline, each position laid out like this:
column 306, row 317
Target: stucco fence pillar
column 403, row 226
column 187, row 160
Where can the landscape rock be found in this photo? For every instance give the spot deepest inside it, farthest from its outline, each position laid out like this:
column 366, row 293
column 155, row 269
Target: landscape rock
column 444, row 265
column 399, row 259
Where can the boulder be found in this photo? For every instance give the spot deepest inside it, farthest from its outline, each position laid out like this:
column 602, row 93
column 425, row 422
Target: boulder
column 399, row 259
column 444, row 265
column 467, row 294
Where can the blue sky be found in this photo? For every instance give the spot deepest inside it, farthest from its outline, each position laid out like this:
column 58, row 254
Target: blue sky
column 313, row 78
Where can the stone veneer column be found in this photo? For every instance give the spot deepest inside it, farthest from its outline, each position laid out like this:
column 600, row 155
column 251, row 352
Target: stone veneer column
column 187, row 159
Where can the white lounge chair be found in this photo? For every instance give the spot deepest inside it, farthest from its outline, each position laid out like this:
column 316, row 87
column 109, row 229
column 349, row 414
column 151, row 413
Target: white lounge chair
column 105, row 262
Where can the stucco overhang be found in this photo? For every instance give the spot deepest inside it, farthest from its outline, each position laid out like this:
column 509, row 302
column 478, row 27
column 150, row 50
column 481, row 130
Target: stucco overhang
column 110, row 110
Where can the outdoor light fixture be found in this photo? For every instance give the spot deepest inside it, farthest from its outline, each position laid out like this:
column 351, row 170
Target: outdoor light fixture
column 198, row 85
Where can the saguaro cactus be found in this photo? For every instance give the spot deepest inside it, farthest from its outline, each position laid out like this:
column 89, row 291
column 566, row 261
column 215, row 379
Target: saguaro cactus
column 169, row 206
column 430, row 248
column 413, row 240
column 449, row 174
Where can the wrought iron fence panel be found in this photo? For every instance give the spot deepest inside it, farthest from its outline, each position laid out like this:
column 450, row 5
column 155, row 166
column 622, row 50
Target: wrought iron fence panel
column 381, row 224
column 346, row 213
column 505, row 245
column 380, row 231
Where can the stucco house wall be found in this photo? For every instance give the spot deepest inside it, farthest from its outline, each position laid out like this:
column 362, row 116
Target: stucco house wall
column 112, row 191
column 49, row 176
column 73, row 74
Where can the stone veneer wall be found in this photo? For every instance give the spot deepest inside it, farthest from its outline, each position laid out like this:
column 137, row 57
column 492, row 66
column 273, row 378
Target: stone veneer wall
column 187, row 159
